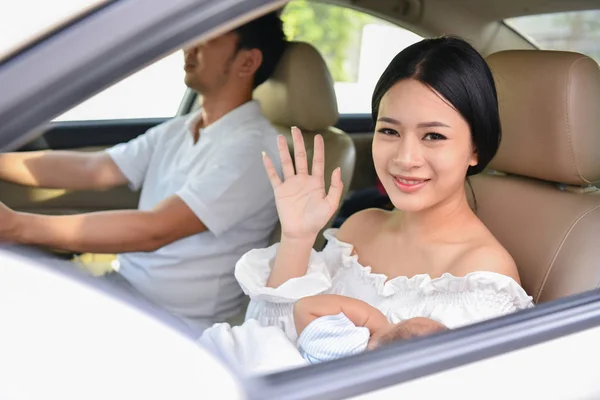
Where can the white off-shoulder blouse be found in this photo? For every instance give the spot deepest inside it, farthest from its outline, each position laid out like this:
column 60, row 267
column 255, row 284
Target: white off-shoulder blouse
column 450, row 300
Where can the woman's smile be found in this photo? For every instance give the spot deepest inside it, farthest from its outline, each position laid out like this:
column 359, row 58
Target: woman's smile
column 409, row 184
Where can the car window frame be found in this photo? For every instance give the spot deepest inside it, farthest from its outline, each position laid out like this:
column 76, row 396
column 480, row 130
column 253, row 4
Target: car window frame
column 534, row 45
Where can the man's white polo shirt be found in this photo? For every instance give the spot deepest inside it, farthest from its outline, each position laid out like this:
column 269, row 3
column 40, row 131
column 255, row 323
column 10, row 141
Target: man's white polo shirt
column 222, row 179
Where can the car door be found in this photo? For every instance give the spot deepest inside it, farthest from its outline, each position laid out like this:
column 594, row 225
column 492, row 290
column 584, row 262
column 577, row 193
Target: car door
column 546, row 352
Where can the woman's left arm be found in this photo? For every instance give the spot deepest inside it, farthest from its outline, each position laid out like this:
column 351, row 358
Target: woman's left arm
column 361, row 314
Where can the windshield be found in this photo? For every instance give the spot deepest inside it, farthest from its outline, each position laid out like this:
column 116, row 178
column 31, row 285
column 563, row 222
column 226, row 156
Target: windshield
column 19, row 24
column 577, row 31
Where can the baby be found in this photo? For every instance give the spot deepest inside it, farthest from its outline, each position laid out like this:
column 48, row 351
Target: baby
column 331, row 326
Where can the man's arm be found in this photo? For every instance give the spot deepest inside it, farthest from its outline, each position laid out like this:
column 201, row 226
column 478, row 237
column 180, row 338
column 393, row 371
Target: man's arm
column 360, row 313
column 103, row 232
column 61, row 170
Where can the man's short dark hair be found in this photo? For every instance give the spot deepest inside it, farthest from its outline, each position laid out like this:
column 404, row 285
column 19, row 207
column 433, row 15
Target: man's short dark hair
column 265, row 34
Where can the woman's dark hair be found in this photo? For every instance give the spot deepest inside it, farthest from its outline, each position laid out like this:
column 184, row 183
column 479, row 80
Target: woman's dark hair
column 454, row 69
column 265, row 34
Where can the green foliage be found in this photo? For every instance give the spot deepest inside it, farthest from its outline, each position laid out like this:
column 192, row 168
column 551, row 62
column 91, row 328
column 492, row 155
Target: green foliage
column 335, row 31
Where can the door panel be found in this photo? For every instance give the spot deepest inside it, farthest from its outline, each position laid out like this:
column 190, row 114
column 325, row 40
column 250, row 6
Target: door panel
column 78, row 134
column 61, row 202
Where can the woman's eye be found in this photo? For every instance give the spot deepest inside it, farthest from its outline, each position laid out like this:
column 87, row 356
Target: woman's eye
column 434, row 136
column 388, row 131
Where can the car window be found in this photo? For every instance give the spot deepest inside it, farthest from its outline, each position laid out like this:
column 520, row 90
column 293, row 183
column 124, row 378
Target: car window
column 154, row 92
column 19, row 25
column 577, row 31
column 356, row 46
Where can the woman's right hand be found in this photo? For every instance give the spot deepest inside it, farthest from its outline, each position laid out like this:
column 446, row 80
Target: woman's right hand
column 302, row 203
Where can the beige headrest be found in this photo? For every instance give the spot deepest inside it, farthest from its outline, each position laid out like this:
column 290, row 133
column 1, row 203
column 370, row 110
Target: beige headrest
column 550, row 112
column 300, row 92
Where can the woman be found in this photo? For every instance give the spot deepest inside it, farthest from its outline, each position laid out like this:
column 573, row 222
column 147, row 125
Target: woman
column 436, row 119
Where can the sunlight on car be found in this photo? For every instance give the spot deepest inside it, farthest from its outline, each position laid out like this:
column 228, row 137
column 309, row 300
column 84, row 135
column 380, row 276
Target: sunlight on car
column 63, row 338
column 19, row 25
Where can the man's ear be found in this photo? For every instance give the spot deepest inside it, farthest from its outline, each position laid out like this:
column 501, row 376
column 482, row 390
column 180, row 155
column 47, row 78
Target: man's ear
column 251, row 59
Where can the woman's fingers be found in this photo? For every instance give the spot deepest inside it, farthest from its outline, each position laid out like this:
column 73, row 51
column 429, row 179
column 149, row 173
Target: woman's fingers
column 335, row 189
column 271, row 171
column 301, row 164
column 299, row 152
column 318, row 164
column 287, row 165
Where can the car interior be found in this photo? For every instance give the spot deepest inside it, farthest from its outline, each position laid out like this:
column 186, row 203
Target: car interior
column 301, row 93
column 548, row 159
column 538, row 196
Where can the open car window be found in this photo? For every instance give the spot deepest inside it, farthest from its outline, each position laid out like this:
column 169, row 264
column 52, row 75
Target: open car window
column 154, row 92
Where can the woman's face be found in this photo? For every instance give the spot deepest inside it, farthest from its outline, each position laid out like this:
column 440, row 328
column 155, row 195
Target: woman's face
column 422, row 147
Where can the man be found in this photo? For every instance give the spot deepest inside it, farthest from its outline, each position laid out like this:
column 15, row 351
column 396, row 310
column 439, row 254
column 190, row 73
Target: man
column 205, row 197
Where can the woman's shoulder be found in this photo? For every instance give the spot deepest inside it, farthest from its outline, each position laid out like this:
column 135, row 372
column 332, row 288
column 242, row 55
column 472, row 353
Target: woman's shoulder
column 362, row 224
column 485, row 254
